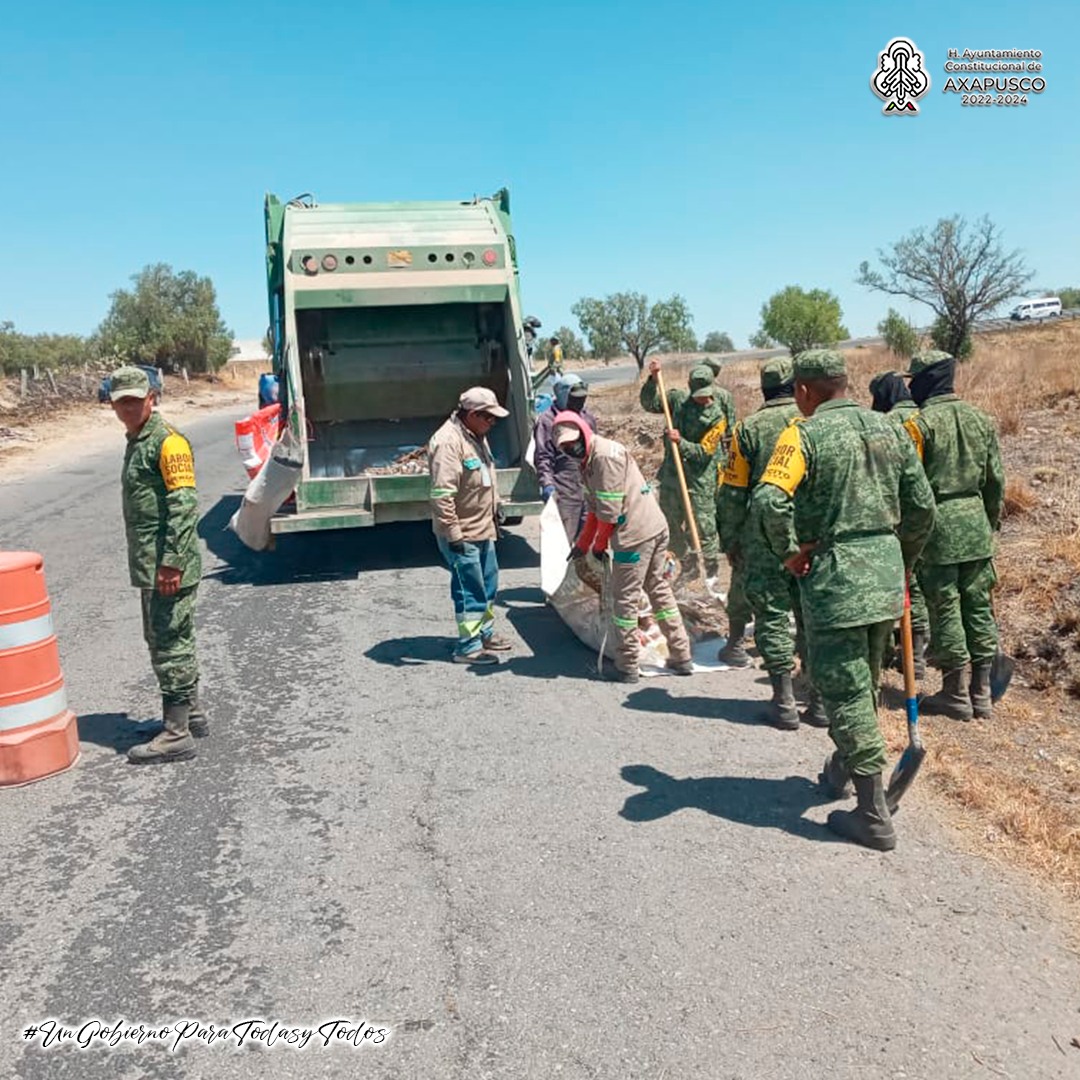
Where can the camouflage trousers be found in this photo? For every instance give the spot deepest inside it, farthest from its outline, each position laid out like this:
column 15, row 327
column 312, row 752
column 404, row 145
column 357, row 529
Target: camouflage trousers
column 773, row 595
column 920, row 616
column 635, row 572
column 169, row 630
column 845, row 665
column 739, row 611
column 962, row 626
column 671, row 504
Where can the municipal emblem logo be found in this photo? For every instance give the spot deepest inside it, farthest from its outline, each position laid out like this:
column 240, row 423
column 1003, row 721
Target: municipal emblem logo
column 900, row 79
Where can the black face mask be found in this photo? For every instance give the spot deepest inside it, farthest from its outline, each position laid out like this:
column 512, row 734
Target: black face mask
column 784, row 390
column 888, row 390
column 576, row 449
column 575, row 403
column 936, row 379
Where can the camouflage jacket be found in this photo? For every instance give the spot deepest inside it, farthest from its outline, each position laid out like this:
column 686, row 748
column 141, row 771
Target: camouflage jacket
column 847, row 483
column 959, row 450
column 902, row 412
column 751, row 447
column 703, row 429
column 464, row 484
column 161, row 507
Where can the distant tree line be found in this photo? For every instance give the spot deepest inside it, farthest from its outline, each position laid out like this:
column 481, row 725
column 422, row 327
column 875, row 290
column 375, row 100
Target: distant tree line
column 170, row 320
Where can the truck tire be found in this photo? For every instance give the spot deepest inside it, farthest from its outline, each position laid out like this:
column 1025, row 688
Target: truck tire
column 513, row 520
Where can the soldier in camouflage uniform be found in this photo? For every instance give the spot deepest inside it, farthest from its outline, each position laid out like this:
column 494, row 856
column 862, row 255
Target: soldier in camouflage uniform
column 959, row 450
column 771, row 591
column 161, row 513
column 889, row 394
column 846, row 507
column 703, row 419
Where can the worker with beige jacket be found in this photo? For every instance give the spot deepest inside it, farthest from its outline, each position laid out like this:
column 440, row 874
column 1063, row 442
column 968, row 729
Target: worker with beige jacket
column 464, row 509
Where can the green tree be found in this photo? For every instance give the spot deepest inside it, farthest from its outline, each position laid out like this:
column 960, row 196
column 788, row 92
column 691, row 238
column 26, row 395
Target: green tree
column 760, row 340
column 168, row 320
column 802, row 320
column 716, row 341
column 961, row 274
column 1070, row 298
column 942, row 337
column 45, row 351
column 899, row 335
column 626, row 321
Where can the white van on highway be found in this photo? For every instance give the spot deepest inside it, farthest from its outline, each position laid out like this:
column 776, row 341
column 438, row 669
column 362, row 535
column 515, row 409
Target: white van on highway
column 1043, row 308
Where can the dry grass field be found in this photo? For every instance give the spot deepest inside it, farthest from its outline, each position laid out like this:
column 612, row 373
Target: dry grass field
column 1012, row 784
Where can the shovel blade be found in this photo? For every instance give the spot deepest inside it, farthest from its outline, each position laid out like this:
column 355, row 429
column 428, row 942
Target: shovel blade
column 904, row 774
column 1001, row 673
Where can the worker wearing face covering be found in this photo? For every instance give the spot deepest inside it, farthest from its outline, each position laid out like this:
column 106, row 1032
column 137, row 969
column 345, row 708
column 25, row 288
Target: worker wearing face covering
column 890, row 395
column 558, row 474
column 624, row 515
column 959, row 450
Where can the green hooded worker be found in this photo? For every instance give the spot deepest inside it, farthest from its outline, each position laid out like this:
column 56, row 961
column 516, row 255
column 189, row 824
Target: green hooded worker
column 702, row 417
column 959, row 450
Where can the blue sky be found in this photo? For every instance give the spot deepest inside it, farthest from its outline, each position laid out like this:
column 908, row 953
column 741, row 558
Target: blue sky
column 697, row 148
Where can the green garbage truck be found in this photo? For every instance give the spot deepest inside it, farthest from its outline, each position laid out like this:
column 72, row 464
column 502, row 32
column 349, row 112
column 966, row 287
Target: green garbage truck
column 381, row 314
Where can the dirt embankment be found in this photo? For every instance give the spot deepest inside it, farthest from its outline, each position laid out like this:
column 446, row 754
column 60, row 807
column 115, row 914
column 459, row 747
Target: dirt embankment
column 65, row 408
column 1012, row 784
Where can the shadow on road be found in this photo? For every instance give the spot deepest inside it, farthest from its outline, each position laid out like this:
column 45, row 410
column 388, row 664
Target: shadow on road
column 734, row 710
column 117, row 731
column 409, row 651
column 768, row 804
column 334, row 554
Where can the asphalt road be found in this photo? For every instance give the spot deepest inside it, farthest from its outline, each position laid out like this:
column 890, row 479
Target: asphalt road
column 518, row 872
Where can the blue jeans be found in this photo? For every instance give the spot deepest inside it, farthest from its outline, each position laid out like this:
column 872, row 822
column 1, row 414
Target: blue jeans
column 474, row 581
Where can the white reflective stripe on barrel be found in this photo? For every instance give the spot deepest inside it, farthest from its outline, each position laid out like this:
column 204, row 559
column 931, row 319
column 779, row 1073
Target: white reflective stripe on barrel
column 33, row 712
column 27, row 632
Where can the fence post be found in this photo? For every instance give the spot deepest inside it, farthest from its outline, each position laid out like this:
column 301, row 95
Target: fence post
column 184, row 372
column 37, row 373
column 24, row 388
column 52, row 382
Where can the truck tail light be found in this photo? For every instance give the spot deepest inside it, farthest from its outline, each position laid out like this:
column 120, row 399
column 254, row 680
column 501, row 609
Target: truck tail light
column 329, row 262
column 489, row 257
column 310, row 264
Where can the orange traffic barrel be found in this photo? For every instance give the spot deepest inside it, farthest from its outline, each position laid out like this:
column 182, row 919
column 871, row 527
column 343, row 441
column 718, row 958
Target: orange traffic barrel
column 38, row 732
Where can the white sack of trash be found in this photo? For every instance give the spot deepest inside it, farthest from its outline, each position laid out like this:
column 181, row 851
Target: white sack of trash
column 580, row 607
column 272, row 485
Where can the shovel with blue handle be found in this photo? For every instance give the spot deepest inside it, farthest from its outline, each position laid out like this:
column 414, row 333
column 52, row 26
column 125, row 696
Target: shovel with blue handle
column 906, row 768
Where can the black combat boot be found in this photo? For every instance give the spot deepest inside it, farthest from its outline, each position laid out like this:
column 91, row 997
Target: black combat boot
column 952, row 699
column 173, row 744
column 835, row 777
column 734, row 652
column 198, row 722
column 870, row 823
column 781, row 711
column 814, row 713
column 981, row 704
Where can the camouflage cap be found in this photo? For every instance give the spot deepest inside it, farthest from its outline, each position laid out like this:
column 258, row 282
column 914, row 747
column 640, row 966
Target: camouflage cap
column 923, row 360
column 128, row 382
column 819, row 364
column 701, row 381
column 776, row 372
